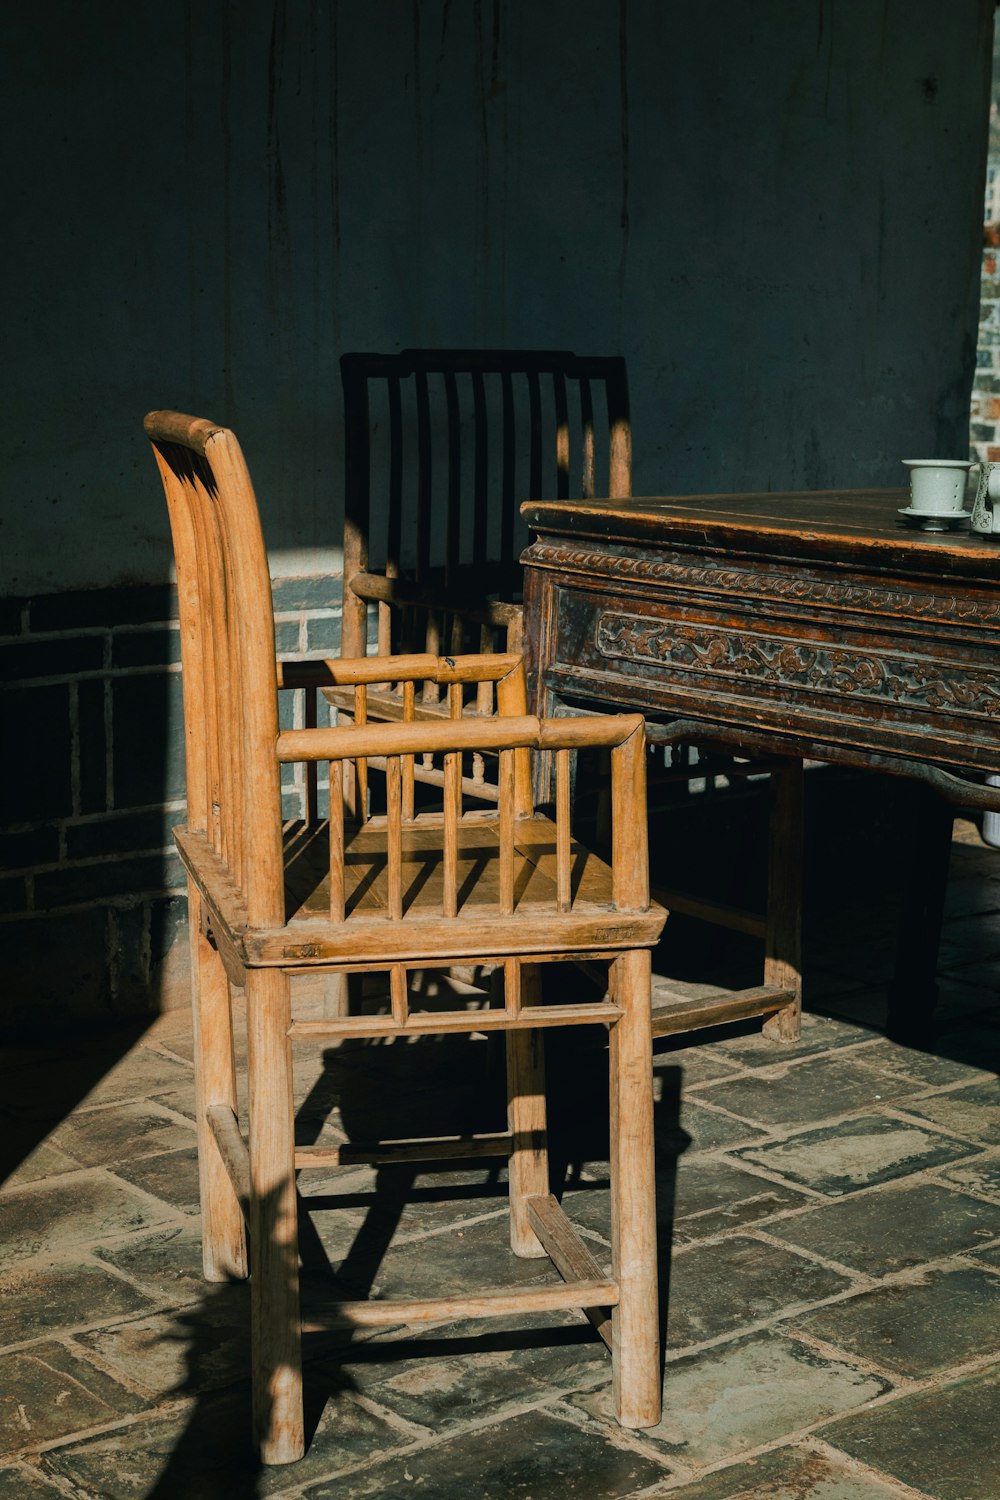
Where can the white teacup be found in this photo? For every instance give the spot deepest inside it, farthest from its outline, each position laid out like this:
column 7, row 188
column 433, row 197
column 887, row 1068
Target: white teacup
column 937, row 485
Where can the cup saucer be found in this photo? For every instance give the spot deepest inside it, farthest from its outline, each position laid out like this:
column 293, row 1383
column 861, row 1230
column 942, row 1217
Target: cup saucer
column 936, row 520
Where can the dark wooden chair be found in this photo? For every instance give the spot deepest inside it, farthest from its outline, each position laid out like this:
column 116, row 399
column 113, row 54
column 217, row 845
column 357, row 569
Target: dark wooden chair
column 441, row 447
column 502, row 887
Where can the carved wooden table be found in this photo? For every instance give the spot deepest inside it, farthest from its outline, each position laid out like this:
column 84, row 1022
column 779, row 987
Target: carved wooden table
column 815, row 625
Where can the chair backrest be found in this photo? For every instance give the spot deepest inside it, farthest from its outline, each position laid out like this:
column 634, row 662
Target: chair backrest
column 228, row 659
column 442, row 446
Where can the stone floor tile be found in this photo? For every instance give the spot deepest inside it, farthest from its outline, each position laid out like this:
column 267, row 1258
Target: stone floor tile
column 973, row 1112
column 44, row 1084
column 706, row 1197
column 181, row 1100
column 533, row 1456
column 205, row 1452
column 697, row 1064
column 981, row 1175
column 23, row 1483
column 120, row 1132
column 930, row 1068
column 55, row 1296
column 915, row 1329
column 858, row 1153
column 77, row 1209
column 816, row 1089
column 818, row 1035
column 895, row 1229
column 171, row 1176
column 33, row 1160
column 589, row 1207
column 724, row 1401
column 167, row 1265
column 139, row 1074
column 708, row 1130
column 968, row 1041
column 182, row 1352
column 471, row 1255
column 941, row 1441
column 724, row 1287
column 452, row 1376
column 399, row 1205
column 48, row 1391
column 791, row 1474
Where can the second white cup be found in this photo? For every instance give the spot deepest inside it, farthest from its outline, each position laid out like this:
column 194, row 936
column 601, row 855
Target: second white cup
column 937, row 484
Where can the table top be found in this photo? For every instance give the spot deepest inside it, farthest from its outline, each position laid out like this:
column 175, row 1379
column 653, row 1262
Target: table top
column 839, row 525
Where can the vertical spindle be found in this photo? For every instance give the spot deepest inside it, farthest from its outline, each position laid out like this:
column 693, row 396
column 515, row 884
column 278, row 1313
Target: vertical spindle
column 398, row 995
column 563, row 901
column 394, row 834
column 312, row 767
column 361, row 764
column 336, row 841
column 506, row 792
column 452, row 809
column 408, row 716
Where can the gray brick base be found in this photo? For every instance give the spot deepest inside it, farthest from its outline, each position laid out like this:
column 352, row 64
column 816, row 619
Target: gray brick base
column 92, row 899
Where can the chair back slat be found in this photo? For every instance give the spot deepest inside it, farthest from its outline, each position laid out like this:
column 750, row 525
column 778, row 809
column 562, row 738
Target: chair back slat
column 588, row 474
column 227, row 628
column 480, row 468
column 508, row 470
column 443, row 446
column 394, row 530
column 424, row 477
column 562, row 435
column 453, row 519
column 535, row 484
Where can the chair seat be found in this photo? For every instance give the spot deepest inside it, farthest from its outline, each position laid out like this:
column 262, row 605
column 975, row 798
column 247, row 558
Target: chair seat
column 368, row 935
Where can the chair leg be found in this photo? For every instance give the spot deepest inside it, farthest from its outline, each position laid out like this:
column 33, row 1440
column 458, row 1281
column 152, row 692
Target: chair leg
column 635, row 1335
column 223, row 1234
column 782, row 960
column 528, row 1173
column 276, row 1333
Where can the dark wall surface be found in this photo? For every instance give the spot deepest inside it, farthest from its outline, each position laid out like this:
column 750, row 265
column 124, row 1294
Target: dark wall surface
column 772, row 210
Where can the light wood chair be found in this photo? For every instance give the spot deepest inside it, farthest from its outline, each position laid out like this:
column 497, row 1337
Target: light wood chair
column 502, row 887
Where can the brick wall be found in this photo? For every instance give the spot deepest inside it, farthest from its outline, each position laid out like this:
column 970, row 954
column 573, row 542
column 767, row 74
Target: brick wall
column 92, row 900
column 985, row 409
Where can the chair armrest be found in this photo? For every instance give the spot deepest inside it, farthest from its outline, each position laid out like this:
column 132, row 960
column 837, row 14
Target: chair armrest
column 498, row 732
column 367, row 670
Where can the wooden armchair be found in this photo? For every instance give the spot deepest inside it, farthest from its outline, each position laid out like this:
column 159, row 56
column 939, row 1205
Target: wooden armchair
column 406, row 890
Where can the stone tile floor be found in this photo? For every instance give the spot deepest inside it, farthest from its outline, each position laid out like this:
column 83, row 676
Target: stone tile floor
column 830, row 1262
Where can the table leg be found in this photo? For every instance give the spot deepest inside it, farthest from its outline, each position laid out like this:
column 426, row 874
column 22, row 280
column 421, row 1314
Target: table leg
column 913, row 991
column 782, row 958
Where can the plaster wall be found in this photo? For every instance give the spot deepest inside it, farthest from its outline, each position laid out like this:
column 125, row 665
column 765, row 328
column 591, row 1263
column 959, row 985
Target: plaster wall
column 773, row 210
